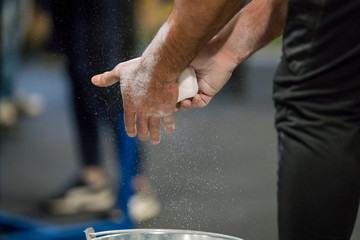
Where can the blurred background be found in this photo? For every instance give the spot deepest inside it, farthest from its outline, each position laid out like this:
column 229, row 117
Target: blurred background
column 62, row 143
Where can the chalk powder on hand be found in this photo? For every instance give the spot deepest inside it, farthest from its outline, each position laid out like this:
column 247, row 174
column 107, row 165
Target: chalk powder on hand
column 141, row 81
column 187, row 81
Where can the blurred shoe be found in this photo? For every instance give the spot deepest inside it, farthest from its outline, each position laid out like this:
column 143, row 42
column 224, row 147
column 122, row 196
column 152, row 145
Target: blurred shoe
column 8, row 113
column 12, row 108
column 31, row 105
column 83, row 198
column 143, row 205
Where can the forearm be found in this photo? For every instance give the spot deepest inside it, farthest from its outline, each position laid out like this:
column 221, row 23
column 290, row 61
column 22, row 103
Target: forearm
column 252, row 28
column 191, row 24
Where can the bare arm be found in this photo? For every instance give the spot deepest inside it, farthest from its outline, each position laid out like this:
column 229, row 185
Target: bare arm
column 255, row 26
column 252, row 28
column 148, row 84
column 191, row 24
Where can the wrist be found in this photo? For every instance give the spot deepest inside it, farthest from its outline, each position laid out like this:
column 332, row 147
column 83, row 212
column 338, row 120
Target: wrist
column 161, row 59
column 156, row 71
column 223, row 54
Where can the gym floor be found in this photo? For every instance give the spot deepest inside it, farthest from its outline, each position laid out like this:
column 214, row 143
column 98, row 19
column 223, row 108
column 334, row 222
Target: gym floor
column 216, row 172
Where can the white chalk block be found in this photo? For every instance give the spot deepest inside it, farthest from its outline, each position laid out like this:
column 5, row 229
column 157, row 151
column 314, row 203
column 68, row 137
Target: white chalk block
column 188, row 85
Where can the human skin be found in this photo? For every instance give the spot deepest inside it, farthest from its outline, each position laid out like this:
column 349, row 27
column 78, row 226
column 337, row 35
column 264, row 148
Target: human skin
column 252, row 28
column 148, row 83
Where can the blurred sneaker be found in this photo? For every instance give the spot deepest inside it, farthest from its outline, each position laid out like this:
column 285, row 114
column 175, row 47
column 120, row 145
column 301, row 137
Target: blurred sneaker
column 12, row 108
column 143, row 205
column 30, row 105
column 8, row 113
column 83, row 198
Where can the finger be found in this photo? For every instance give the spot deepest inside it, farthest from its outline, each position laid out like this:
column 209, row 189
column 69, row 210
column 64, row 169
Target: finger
column 154, row 127
column 200, row 100
column 177, row 107
column 185, row 104
column 105, row 79
column 143, row 127
column 130, row 123
column 169, row 123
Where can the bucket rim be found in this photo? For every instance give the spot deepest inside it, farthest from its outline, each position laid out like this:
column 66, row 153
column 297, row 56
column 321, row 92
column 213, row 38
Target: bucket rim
column 92, row 235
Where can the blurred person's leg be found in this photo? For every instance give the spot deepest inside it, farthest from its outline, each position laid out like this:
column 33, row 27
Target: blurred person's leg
column 10, row 54
column 75, row 30
column 15, row 15
column 318, row 123
column 102, row 35
column 15, row 18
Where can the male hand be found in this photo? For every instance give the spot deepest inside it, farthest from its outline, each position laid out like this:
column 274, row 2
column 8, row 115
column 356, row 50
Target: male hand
column 213, row 66
column 147, row 98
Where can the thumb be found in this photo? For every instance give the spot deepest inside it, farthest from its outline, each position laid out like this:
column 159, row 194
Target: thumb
column 105, row 79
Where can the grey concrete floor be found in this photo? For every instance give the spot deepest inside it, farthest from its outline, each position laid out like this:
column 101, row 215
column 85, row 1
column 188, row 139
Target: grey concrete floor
column 216, row 173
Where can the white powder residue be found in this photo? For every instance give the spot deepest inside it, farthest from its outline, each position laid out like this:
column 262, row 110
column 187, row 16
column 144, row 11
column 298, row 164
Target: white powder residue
column 158, row 41
column 135, row 79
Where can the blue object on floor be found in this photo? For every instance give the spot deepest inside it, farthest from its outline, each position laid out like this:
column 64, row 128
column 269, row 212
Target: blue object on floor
column 15, row 227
